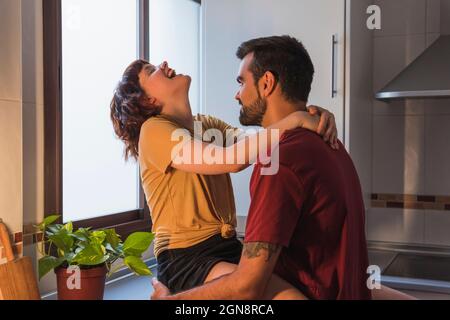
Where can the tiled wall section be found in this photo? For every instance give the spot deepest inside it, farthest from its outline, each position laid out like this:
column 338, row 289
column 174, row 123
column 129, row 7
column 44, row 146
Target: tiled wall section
column 21, row 115
column 445, row 16
column 17, row 245
column 411, row 201
column 409, row 226
column 410, row 219
column 411, row 149
column 408, row 26
column 21, row 239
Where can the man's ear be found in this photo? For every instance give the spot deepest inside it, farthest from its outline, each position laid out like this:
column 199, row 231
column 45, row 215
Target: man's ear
column 269, row 83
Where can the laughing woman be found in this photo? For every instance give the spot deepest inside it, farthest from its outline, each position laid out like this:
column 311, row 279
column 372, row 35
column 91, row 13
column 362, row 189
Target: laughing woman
column 191, row 202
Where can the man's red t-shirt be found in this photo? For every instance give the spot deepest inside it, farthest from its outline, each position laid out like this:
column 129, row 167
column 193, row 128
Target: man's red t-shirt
column 313, row 207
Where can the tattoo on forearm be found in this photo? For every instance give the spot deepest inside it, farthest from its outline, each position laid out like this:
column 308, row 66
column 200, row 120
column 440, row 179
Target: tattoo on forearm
column 252, row 249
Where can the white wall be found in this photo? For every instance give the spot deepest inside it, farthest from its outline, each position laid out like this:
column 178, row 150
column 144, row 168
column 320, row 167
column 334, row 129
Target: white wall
column 11, row 114
column 33, row 111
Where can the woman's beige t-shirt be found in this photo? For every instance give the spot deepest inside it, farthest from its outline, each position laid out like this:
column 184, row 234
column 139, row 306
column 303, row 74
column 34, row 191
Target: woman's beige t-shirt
column 186, row 208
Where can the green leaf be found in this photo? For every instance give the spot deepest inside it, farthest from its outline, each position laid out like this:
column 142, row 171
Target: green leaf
column 91, row 255
column 79, row 237
column 54, row 228
column 50, row 219
column 62, row 240
column 77, row 250
column 69, row 257
column 98, row 236
column 69, row 227
column 109, row 247
column 85, row 231
column 82, row 234
column 112, row 237
column 137, row 243
column 48, row 263
column 137, row 266
column 47, row 221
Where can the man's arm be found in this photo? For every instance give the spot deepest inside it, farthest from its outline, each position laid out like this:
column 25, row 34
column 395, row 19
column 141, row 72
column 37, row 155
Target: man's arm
column 247, row 282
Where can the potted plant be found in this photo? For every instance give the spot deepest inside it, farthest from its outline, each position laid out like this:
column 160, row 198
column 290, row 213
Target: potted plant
column 83, row 258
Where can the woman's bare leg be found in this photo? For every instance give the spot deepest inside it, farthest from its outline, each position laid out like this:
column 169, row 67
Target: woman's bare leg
column 277, row 288
column 386, row 293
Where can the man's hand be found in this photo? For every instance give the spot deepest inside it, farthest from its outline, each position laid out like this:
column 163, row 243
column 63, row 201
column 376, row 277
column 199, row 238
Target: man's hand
column 161, row 292
column 327, row 125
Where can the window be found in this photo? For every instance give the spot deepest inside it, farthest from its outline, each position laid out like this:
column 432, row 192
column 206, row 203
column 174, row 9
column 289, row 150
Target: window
column 96, row 49
column 87, row 46
column 175, row 37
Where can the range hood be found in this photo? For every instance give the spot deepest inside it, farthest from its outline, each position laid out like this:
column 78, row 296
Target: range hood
column 427, row 76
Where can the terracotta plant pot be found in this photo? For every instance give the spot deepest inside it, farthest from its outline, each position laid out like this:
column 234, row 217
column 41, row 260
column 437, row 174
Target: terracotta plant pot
column 90, row 285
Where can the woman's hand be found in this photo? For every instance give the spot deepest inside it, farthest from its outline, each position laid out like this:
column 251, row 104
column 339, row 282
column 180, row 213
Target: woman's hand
column 322, row 122
column 160, row 291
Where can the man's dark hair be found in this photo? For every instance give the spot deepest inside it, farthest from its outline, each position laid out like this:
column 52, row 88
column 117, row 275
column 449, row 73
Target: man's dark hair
column 286, row 58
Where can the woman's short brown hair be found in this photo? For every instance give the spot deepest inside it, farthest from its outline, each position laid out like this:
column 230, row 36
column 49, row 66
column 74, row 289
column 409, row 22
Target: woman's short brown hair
column 130, row 108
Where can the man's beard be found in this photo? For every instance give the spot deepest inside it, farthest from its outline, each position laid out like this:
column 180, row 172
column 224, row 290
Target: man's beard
column 253, row 114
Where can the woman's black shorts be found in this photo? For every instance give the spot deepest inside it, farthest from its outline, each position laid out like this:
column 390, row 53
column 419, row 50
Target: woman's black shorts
column 186, row 268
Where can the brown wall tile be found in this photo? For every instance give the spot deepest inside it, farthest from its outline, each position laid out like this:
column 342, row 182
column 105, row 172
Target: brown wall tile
column 426, row 198
column 29, row 228
column 408, row 197
column 410, row 201
column 18, row 237
column 378, row 204
column 443, row 199
column 393, row 204
column 388, row 197
column 413, row 205
column 28, row 239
